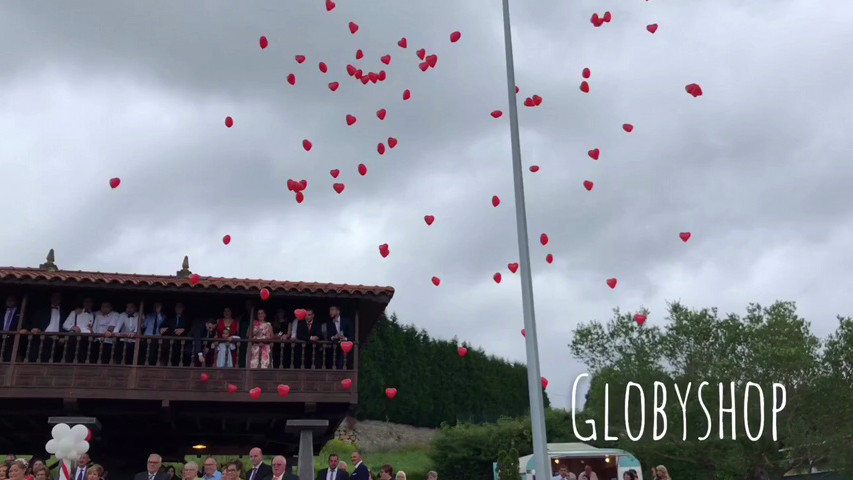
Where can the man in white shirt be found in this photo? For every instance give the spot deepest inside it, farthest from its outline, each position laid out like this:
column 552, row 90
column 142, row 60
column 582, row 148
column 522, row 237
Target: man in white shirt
column 587, row 474
column 105, row 323
column 334, row 472
column 126, row 329
column 78, row 321
column 260, row 470
column 565, row 474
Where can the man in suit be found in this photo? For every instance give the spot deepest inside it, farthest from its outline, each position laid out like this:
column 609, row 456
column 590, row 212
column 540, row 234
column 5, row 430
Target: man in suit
column 279, row 469
column 333, row 472
column 79, row 473
column 359, row 469
column 47, row 319
column 260, row 470
column 178, row 325
column 9, row 324
column 340, row 330
column 309, row 331
column 152, row 471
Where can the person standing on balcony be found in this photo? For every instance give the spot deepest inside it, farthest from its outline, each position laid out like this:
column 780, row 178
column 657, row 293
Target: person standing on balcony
column 152, row 326
column 227, row 321
column 178, row 326
column 127, row 329
column 261, row 331
column 152, row 471
column 106, row 321
column 79, row 321
column 340, row 330
column 10, row 324
column 226, row 351
column 260, row 470
column 308, row 331
column 46, row 320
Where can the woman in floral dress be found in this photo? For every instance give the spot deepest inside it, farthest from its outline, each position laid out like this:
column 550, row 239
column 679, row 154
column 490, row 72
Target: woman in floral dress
column 261, row 330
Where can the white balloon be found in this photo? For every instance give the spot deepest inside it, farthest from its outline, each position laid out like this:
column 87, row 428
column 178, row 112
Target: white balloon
column 66, row 444
column 82, row 447
column 73, row 455
column 60, row 431
column 79, row 432
column 51, row 446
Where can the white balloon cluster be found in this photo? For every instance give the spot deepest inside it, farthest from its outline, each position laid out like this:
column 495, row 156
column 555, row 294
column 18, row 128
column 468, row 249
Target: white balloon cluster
column 68, row 443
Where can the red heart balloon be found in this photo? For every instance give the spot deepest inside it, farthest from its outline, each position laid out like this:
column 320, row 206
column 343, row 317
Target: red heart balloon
column 351, row 70
column 229, row 122
column 497, row 277
column 544, row 383
column 299, row 197
column 380, row 147
column 383, row 250
column 596, row 22
column 300, row 313
column 407, row 94
column 640, row 319
column 373, row 77
column 353, row 27
column 497, row 114
column 194, row 278
column 423, row 66
column 303, row 184
column 255, row 393
column 593, row 154
column 263, row 42
column 359, row 54
column 362, row 169
column 587, row 185
column 358, row 74
column 523, row 333
column 402, row 42
column 339, row 187
column 421, row 53
column 432, row 60
column 351, row 120
column 429, row 219
column 323, row 68
column 652, row 28
column 586, row 73
column 291, row 79
column 300, row 58
column 585, row 86
column 534, row 168
column 549, row 258
column 627, row 127
column 335, row 173
column 386, row 59
column 283, row 390
column 333, row 86
column 462, row 351
column 226, row 239
column 685, row 236
column 455, row 36
column 391, row 392
column 611, row 282
column 543, row 239
column 364, row 79
column 346, row 346
column 436, row 281
column 513, row 267
column 392, row 142
column 381, row 114
column 607, row 17
column 115, row 182
column 382, row 75
column 330, row 5
column 232, row 388
column 516, row 89
column 528, row 102
column 204, row 378
column 694, row 89
column 306, row 144
column 537, row 100
column 346, row 383
column 265, row 294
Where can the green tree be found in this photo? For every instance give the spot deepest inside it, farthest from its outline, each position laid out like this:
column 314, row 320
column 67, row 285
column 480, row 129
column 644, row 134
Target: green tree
column 508, row 467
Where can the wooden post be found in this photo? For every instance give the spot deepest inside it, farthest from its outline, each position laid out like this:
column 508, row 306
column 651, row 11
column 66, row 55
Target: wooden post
column 17, row 331
column 137, row 346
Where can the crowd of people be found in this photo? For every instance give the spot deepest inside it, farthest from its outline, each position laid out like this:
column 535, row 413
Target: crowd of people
column 36, row 469
column 173, row 336
column 657, row 473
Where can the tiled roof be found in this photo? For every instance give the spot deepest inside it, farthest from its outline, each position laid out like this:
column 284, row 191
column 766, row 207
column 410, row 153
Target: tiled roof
column 215, row 283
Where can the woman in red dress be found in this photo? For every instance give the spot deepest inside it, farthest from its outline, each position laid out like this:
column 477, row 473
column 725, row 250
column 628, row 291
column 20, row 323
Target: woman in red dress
column 229, row 322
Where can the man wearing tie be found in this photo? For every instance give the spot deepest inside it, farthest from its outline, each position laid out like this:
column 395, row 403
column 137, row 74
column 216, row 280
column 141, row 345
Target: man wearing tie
column 340, row 330
column 279, row 469
column 10, row 324
column 359, row 471
column 152, row 472
column 260, row 470
column 333, row 472
column 83, row 464
column 181, row 349
column 79, row 321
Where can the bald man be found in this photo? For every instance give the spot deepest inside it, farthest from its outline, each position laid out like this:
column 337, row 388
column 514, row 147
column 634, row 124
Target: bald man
column 260, row 470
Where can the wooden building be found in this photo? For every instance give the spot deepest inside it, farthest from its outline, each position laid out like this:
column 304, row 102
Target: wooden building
column 156, row 395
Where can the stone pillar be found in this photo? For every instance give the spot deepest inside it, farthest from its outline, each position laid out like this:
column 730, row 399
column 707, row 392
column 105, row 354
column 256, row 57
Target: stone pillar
column 306, row 430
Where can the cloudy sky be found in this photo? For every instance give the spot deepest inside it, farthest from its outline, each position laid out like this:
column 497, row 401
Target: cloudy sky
column 757, row 169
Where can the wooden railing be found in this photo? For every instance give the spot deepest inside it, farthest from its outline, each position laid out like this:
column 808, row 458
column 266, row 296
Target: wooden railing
column 172, row 352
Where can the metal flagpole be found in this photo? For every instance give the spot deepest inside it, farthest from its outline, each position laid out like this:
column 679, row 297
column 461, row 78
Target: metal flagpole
column 537, row 406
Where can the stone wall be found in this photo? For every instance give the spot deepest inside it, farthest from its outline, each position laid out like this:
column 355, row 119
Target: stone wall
column 372, row 435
